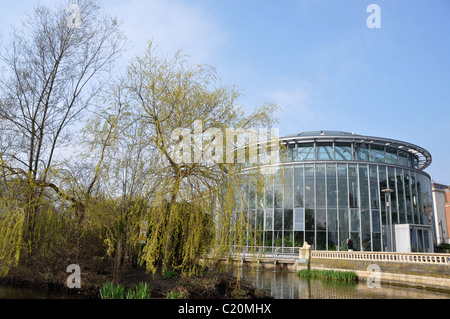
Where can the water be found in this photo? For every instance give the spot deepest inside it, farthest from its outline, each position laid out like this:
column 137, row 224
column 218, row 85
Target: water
column 8, row 292
column 280, row 285
column 287, row 285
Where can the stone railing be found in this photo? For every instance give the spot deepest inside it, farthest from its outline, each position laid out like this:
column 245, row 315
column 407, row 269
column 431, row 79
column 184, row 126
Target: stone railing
column 423, row 258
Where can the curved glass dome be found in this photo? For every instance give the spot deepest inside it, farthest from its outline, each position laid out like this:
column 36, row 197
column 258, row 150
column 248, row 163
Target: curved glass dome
column 339, row 145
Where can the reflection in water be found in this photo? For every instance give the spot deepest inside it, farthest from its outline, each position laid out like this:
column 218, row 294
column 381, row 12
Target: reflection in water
column 7, row 292
column 287, row 285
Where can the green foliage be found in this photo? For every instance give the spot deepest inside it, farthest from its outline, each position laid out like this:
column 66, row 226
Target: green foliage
column 169, row 274
column 110, row 290
column 140, row 291
column 175, row 294
column 444, row 246
column 329, row 275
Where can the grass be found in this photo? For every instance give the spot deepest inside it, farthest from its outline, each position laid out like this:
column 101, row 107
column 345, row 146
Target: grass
column 109, row 290
column 329, row 275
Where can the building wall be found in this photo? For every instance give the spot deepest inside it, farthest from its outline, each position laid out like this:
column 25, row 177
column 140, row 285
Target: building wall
column 441, row 203
column 326, row 203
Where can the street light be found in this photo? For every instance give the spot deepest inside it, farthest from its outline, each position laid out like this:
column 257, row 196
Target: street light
column 388, row 191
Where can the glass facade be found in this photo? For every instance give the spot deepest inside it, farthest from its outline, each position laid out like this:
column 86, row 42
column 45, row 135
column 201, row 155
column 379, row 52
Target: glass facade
column 326, row 192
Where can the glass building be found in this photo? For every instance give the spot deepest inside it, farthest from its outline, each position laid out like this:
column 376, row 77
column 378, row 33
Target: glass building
column 333, row 185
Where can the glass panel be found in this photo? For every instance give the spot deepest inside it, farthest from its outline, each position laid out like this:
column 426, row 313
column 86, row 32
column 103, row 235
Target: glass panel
column 299, row 219
column 332, row 220
column 362, row 152
column 288, row 240
column 376, row 226
column 426, row 241
column 343, row 220
column 342, row 186
column 408, row 195
column 377, row 153
column 309, row 238
column 354, row 220
column 298, row 238
column 288, row 219
column 331, row 186
column 391, row 176
column 278, row 238
column 321, row 219
column 288, row 187
column 324, row 151
column 419, row 241
column 298, row 186
column 401, row 196
column 278, row 196
column 414, row 198
column 309, row 186
column 402, row 158
column 268, row 239
column 278, row 220
column 353, row 186
column 291, row 152
column 364, row 185
column 259, row 219
column 374, row 192
column 366, row 242
column 376, row 241
column 354, row 236
column 332, row 241
column 365, row 220
column 343, row 151
column 309, row 219
column 268, row 193
column 391, row 155
column 305, row 151
column 251, row 219
column 320, row 186
column 268, row 225
column 321, row 240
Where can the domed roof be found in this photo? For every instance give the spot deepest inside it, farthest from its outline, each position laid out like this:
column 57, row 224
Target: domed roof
column 321, row 133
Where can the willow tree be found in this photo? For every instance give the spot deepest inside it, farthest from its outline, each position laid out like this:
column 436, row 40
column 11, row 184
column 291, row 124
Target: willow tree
column 52, row 69
column 176, row 103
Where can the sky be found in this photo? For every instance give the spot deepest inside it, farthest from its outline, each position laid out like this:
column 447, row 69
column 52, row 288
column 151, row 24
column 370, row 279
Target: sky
column 317, row 59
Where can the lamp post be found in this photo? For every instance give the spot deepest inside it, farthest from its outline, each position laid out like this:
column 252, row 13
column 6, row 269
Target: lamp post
column 387, row 192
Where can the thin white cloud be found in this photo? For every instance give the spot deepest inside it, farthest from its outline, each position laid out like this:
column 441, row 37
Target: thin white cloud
column 295, row 102
column 172, row 25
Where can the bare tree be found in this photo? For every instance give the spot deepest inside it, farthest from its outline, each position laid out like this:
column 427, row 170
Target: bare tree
column 54, row 67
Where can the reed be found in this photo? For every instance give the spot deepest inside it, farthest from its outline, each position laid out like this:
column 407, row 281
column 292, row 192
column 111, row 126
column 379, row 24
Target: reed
column 329, row 275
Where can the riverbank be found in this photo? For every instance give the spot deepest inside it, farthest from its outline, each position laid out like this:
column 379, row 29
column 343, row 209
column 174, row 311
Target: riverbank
column 208, row 285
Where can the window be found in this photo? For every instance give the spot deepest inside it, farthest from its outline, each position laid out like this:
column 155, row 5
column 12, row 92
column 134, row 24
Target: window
column 299, row 217
column 324, row 151
column 305, row 152
column 377, row 153
column 343, row 151
column 362, row 152
column 391, row 155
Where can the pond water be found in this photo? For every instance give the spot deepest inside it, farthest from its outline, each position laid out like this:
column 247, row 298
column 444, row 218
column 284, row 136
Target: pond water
column 287, row 285
column 280, row 285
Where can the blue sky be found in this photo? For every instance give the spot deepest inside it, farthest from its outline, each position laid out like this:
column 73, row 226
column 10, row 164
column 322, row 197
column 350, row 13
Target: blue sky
column 317, row 59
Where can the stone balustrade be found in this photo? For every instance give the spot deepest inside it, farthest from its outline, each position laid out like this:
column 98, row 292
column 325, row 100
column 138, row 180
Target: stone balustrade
column 424, row 258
